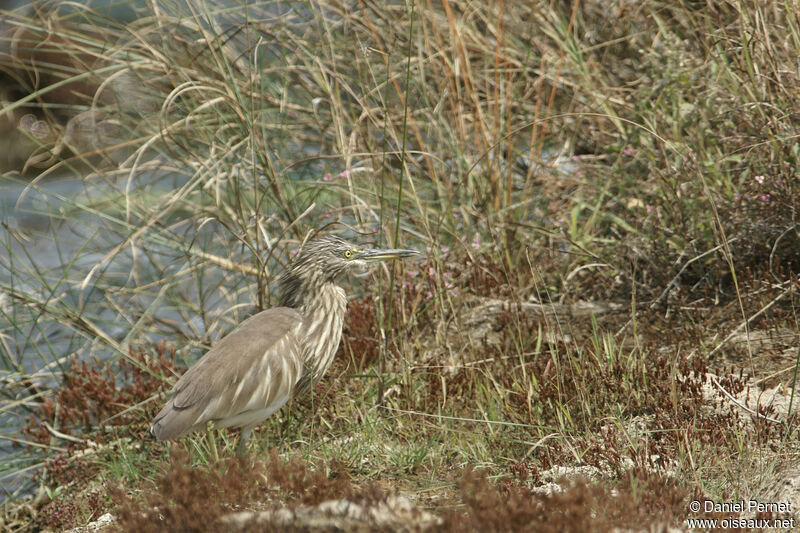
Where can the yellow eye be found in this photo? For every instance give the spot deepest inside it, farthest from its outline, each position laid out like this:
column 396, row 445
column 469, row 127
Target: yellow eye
column 348, row 254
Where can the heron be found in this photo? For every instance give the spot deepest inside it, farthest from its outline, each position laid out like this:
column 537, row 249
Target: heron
column 274, row 355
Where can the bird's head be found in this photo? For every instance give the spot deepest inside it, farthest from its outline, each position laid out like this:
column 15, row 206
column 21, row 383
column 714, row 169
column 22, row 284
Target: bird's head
column 325, row 258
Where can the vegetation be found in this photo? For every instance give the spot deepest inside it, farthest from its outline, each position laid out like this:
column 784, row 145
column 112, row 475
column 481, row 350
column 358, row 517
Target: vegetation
column 603, row 328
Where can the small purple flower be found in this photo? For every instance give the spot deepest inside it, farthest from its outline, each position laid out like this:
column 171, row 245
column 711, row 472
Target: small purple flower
column 780, row 182
column 628, row 151
column 445, row 249
column 649, row 208
column 765, row 197
column 759, row 179
column 326, row 177
column 430, row 294
column 736, row 196
column 344, row 174
column 787, row 164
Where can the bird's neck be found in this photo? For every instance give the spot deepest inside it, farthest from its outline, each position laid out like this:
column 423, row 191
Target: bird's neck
column 322, row 304
column 300, row 290
column 323, row 301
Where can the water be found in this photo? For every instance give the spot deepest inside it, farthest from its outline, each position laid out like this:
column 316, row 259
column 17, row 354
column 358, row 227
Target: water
column 56, row 274
column 92, row 262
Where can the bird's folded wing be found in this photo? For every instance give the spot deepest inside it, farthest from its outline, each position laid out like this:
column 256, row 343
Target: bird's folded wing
column 257, row 361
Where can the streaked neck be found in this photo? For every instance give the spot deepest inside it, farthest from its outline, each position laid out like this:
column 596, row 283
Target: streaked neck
column 323, row 313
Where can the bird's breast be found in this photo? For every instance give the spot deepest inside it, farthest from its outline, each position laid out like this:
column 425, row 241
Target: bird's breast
column 323, row 324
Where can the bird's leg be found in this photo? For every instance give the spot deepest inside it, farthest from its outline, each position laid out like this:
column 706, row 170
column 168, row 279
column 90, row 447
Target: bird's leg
column 212, row 441
column 241, row 448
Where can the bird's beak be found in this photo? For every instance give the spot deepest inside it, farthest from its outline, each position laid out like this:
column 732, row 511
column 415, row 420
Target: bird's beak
column 379, row 254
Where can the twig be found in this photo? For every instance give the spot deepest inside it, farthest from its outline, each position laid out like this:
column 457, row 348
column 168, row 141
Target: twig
column 674, row 281
column 226, row 263
column 63, row 436
column 31, row 443
column 737, row 402
column 746, row 322
column 773, row 375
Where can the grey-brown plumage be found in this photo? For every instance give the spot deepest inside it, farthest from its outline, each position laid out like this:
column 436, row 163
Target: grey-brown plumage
column 275, row 354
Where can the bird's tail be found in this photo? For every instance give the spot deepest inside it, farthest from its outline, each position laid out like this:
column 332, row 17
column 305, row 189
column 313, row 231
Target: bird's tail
column 172, row 422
